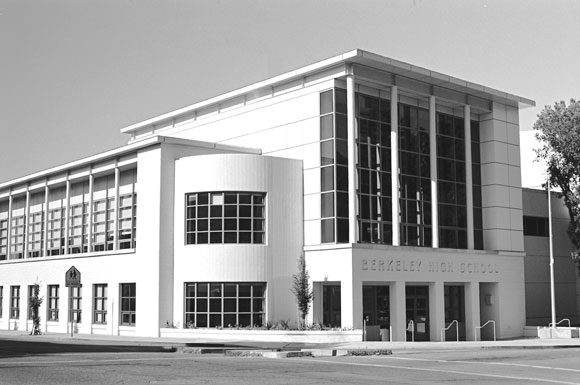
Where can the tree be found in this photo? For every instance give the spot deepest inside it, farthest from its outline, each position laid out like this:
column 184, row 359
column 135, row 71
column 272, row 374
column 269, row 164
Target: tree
column 558, row 130
column 35, row 302
column 301, row 288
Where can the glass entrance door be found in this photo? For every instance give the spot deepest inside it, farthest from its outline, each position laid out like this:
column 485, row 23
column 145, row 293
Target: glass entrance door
column 418, row 312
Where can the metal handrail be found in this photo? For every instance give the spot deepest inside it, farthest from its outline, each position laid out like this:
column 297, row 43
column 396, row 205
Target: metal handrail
column 481, row 327
column 558, row 323
column 412, row 326
column 449, row 327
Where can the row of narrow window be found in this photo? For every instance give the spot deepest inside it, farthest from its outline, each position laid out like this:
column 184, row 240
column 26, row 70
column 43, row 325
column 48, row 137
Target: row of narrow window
column 374, row 199
column 34, row 229
column 100, row 298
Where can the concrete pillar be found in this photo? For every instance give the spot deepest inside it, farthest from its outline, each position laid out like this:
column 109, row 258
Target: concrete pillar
column 351, row 303
column 398, row 310
column 472, row 315
column 436, row 310
column 116, row 210
column 26, row 224
column 90, row 213
column 44, row 251
column 468, row 178
column 316, row 315
column 433, row 163
column 67, row 218
column 395, row 164
column 351, row 132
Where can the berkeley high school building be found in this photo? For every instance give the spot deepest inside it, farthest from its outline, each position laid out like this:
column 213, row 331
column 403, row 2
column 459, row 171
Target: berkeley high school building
column 400, row 185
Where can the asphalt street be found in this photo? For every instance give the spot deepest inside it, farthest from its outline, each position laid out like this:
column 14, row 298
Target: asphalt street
column 106, row 363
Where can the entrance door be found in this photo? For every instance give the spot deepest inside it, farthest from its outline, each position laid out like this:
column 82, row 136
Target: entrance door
column 418, row 312
column 331, row 305
column 376, row 312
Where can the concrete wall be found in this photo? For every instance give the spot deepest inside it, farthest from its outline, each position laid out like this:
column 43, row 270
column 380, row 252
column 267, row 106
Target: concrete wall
column 273, row 262
column 537, row 265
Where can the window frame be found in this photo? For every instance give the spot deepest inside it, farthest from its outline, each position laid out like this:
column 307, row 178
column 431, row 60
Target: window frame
column 53, row 302
column 15, row 302
column 100, row 296
column 76, row 297
column 130, row 300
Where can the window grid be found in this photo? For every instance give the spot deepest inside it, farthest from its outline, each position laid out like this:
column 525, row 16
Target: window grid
column 14, row 302
column 373, row 142
column 334, row 166
column 451, row 181
column 35, row 234
column 103, row 224
column 78, row 228
column 127, row 221
column 76, row 304
column 476, row 183
column 52, row 303
column 100, row 304
column 225, row 217
column 229, row 304
column 128, row 301
column 17, row 237
column 536, row 226
column 56, row 228
column 3, row 239
column 30, row 295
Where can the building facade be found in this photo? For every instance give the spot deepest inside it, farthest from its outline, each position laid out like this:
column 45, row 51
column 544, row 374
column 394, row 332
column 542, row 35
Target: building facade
column 399, row 185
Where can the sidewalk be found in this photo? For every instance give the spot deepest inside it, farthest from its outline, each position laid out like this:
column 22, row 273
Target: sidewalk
column 395, row 347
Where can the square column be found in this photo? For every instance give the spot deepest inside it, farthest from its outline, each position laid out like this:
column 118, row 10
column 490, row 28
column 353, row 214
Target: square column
column 395, row 165
column 433, row 171
column 398, row 310
column 436, row 310
column 472, row 314
column 468, row 178
column 351, row 304
column 351, row 134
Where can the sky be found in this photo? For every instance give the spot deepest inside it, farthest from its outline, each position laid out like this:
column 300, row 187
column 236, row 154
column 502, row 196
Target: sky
column 73, row 73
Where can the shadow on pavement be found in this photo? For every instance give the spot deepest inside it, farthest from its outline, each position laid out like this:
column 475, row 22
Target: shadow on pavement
column 20, row 347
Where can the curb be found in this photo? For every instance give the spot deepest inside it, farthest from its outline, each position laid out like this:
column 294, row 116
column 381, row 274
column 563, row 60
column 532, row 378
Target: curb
column 287, row 354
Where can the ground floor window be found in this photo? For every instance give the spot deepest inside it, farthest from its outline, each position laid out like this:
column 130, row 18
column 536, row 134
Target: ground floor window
column 1, row 299
column 76, row 299
column 100, row 304
column 128, row 294
column 376, row 306
column 52, row 303
column 224, row 304
column 331, row 306
column 30, row 299
column 14, row 302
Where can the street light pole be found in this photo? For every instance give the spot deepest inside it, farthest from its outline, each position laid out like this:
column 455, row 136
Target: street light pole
column 552, row 286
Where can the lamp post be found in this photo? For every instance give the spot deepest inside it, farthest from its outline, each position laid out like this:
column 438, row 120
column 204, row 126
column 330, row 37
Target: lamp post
column 552, row 286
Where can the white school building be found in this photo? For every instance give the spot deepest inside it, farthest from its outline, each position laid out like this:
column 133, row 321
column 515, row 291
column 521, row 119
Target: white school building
column 400, row 186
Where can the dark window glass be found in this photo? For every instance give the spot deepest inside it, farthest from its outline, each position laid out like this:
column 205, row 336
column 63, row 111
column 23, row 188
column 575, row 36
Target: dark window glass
column 327, row 230
column 340, row 100
column 327, row 204
column 327, row 178
column 326, row 102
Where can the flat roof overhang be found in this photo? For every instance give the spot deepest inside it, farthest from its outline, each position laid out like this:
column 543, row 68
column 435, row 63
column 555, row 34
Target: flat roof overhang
column 359, row 59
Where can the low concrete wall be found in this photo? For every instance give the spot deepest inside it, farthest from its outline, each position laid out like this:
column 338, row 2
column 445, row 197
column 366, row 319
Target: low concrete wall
column 559, row 332
column 289, row 336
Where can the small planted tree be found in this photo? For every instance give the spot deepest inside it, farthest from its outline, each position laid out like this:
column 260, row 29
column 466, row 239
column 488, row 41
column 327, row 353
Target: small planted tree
column 302, row 289
column 35, row 302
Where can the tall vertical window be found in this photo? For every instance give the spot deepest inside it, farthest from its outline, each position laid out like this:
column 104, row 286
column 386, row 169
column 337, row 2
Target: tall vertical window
column 103, row 220
column 415, row 174
column 3, row 231
column 451, row 181
column 334, row 166
column 30, row 299
column 76, row 299
column 14, row 302
column 128, row 294
column 1, row 299
column 78, row 218
column 225, row 217
column 127, row 236
column 52, row 303
column 227, row 304
column 35, row 234
column 373, row 114
column 56, row 221
column 17, row 228
column 100, row 304
column 476, row 183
